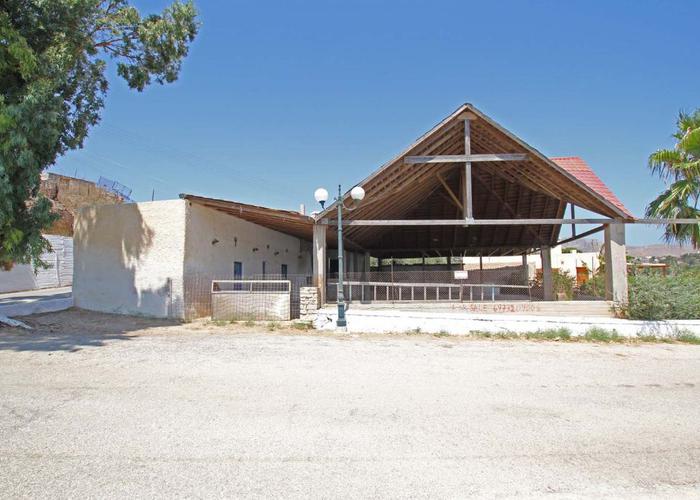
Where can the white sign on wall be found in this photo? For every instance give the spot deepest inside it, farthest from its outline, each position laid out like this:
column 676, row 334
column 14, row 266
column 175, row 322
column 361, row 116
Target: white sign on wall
column 461, row 275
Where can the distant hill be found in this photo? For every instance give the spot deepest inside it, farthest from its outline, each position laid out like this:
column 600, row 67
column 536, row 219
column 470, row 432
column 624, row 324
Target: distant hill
column 655, row 250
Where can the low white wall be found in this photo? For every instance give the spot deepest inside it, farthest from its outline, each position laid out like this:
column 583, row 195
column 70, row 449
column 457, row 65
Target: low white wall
column 129, row 258
column 403, row 321
column 59, row 273
column 243, row 305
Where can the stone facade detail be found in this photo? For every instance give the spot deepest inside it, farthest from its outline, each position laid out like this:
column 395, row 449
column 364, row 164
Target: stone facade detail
column 308, row 303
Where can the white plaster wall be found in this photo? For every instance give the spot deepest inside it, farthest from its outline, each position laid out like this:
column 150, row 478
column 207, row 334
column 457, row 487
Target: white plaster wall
column 237, row 240
column 563, row 261
column 214, row 240
column 129, row 258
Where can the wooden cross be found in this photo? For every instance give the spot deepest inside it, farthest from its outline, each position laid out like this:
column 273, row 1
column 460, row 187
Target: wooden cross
column 467, row 158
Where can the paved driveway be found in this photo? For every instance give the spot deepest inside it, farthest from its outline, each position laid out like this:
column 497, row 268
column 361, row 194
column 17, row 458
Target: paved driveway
column 97, row 405
column 36, row 301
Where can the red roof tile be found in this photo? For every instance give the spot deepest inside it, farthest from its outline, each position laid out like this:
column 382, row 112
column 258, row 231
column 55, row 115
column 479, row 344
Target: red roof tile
column 582, row 171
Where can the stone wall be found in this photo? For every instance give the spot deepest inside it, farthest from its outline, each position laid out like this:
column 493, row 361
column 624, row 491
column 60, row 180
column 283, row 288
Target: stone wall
column 68, row 195
column 308, row 303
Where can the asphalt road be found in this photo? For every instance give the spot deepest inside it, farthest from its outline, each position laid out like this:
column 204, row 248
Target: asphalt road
column 177, row 412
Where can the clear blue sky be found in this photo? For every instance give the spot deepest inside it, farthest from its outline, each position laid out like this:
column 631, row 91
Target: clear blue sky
column 278, row 98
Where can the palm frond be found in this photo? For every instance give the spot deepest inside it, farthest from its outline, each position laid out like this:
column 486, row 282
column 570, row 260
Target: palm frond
column 690, row 170
column 690, row 143
column 671, row 204
column 662, row 162
column 688, row 121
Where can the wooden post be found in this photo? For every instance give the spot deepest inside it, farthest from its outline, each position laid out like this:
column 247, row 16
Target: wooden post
column 467, row 202
column 526, row 270
column 319, row 261
column 615, row 264
column 547, row 281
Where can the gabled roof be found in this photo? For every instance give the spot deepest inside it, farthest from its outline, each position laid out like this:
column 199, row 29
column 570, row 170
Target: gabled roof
column 538, row 173
column 583, row 172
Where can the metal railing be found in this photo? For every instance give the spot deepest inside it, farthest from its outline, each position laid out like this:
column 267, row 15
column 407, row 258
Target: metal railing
column 385, row 291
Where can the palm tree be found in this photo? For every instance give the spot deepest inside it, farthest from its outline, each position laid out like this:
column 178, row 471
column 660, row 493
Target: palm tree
column 681, row 167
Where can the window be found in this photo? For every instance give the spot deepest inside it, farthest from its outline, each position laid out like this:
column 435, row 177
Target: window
column 237, row 274
column 283, row 271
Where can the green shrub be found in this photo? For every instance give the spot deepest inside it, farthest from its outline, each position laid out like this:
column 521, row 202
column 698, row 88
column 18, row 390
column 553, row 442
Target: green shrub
column 549, row 334
column 597, row 334
column 562, row 282
column 653, row 296
column 687, row 337
column 595, row 286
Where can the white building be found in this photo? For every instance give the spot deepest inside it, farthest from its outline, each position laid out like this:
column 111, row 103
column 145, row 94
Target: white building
column 574, row 263
column 158, row 258
column 58, row 273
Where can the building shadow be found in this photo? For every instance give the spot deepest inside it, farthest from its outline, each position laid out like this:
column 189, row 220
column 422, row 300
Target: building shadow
column 73, row 330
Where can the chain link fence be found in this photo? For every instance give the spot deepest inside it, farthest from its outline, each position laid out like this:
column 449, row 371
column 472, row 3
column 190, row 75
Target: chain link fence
column 191, row 296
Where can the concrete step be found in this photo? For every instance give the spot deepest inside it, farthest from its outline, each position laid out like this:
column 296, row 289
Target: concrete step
column 599, row 308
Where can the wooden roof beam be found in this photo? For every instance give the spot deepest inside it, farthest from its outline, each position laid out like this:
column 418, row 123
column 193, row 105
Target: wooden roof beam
column 412, row 160
column 504, row 222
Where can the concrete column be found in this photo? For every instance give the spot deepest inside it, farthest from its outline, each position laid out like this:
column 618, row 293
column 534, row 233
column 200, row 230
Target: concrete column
column 526, row 270
column 364, row 266
column 319, row 261
column 615, row 264
column 547, row 281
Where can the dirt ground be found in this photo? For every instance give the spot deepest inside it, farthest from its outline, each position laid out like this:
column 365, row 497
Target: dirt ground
column 111, row 406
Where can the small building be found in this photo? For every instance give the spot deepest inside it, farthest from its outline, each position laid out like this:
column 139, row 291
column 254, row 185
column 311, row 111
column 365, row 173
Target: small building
column 579, row 265
column 159, row 258
column 466, row 188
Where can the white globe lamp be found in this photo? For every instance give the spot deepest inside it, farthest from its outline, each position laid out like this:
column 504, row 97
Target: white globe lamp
column 321, row 196
column 357, row 194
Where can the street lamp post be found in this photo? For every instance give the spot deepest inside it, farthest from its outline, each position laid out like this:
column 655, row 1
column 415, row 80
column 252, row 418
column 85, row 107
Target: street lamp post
column 321, row 196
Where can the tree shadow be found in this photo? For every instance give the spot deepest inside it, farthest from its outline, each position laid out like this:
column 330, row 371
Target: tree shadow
column 116, row 267
column 74, row 329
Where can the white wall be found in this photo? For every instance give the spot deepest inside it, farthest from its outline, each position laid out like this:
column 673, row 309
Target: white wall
column 242, row 241
column 129, row 258
column 60, row 272
column 215, row 240
column 563, row 261
column 158, row 258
